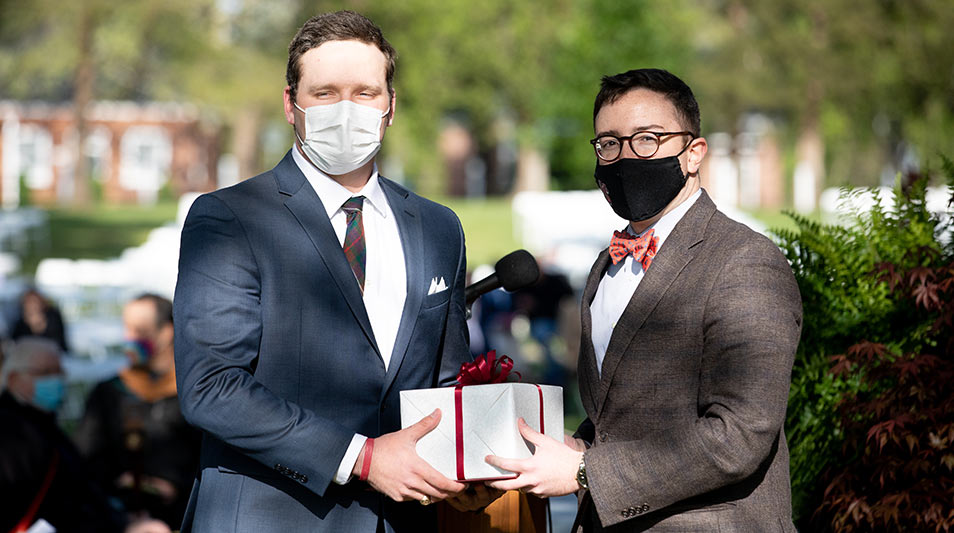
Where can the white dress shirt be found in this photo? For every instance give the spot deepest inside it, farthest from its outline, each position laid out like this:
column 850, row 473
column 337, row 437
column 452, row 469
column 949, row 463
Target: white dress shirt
column 385, row 275
column 620, row 281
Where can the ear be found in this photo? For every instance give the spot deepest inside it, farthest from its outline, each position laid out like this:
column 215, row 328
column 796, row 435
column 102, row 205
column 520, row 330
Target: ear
column 393, row 104
column 289, row 105
column 697, row 152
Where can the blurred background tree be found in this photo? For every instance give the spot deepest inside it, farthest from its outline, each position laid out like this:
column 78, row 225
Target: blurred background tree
column 863, row 90
column 99, row 50
column 858, row 91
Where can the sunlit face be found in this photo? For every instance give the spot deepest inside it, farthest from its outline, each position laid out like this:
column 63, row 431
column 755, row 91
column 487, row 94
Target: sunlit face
column 645, row 110
column 341, row 70
column 139, row 323
column 139, row 320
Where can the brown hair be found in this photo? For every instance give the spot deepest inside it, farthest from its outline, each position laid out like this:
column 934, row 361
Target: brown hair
column 163, row 307
column 337, row 26
column 663, row 82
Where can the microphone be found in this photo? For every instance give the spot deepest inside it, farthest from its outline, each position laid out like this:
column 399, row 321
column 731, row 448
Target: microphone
column 516, row 270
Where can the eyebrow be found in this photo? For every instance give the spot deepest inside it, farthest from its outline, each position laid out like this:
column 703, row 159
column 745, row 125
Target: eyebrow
column 648, row 127
column 333, row 87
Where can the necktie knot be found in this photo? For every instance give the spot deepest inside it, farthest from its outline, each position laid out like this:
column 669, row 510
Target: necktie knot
column 642, row 248
column 353, row 205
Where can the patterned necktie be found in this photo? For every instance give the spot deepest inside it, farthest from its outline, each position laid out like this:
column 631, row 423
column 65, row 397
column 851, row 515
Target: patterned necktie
column 643, row 248
column 354, row 238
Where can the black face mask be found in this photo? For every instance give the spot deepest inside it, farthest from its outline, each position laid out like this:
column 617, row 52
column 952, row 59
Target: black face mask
column 638, row 189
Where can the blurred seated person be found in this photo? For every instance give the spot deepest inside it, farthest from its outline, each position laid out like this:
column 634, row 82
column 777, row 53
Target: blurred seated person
column 42, row 476
column 132, row 433
column 39, row 318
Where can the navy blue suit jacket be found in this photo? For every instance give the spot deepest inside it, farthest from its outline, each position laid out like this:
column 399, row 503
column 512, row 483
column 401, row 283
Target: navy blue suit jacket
column 276, row 361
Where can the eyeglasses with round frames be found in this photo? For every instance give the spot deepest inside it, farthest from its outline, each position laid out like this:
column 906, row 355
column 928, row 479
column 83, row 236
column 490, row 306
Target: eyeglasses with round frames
column 642, row 143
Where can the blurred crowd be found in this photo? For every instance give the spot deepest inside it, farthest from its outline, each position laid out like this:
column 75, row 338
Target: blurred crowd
column 538, row 327
column 127, row 463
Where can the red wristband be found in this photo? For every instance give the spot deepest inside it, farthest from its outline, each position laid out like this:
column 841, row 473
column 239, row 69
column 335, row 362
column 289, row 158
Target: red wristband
column 366, row 465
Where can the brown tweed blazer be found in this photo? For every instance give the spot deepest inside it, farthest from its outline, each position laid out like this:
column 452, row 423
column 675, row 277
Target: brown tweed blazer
column 686, row 420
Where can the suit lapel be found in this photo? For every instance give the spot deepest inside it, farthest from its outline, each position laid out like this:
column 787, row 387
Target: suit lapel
column 304, row 204
column 673, row 256
column 412, row 240
column 589, row 373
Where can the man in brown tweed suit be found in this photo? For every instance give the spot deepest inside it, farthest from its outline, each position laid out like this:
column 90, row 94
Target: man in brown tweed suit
column 690, row 325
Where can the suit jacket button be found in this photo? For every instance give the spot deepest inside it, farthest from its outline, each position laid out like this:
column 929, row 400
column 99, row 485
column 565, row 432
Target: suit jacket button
column 304, row 479
column 602, row 436
column 625, row 513
column 645, row 507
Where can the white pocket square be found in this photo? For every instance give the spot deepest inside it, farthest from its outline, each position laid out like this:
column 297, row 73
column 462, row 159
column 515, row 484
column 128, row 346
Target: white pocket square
column 437, row 285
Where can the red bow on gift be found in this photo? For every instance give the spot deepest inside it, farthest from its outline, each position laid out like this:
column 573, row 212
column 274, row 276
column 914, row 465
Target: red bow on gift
column 486, row 369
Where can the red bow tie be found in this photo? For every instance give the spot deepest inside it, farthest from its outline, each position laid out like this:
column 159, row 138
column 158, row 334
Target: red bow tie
column 643, row 248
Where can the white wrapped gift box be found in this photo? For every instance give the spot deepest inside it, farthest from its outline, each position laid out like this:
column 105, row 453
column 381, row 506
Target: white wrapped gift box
column 489, row 416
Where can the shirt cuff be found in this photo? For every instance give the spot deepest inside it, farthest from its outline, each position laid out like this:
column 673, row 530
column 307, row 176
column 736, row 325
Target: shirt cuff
column 343, row 475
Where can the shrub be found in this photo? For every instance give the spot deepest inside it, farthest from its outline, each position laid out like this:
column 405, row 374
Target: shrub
column 845, row 299
column 898, row 454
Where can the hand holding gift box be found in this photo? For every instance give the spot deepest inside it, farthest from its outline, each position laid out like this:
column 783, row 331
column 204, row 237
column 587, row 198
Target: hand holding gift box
column 479, row 418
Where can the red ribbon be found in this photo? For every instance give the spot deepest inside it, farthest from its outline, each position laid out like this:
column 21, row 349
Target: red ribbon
column 485, row 369
column 459, row 429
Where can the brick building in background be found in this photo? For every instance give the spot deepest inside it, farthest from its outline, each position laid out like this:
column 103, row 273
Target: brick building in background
column 134, row 151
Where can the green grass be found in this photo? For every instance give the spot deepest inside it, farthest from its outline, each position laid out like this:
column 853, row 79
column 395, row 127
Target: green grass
column 98, row 232
column 775, row 218
column 103, row 232
column 488, row 228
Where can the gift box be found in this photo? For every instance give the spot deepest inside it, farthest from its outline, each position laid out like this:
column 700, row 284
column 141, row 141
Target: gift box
column 481, row 420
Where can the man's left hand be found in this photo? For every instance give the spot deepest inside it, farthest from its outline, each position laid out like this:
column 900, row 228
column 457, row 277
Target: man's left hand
column 550, row 472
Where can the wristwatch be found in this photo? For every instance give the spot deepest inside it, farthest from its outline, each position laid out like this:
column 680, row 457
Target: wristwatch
column 581, row 474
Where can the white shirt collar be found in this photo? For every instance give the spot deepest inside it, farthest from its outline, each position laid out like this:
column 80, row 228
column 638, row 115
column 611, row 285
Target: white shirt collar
column 333, row 195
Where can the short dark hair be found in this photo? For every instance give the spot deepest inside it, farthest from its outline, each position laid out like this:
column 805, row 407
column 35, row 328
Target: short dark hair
column 612, row 88
column 337, row 26
column 163, row 307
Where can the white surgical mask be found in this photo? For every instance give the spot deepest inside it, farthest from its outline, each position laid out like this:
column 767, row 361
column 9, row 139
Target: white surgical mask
column 341, row 137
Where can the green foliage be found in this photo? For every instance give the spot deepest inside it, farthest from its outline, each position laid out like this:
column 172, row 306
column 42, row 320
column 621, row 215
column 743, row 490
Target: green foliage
column 98, row 232
column 896, row 470
column 138, row 48
column 873, row 76
column 523, row 74
column 845, row 301
column 25, row 198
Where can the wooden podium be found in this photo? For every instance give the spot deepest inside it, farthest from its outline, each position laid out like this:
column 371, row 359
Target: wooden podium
column 514, row 512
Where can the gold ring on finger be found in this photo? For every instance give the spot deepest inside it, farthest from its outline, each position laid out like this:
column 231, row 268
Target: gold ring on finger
column 426, row 500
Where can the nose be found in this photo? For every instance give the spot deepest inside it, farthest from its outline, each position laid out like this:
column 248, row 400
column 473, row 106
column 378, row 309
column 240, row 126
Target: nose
column 627, row 152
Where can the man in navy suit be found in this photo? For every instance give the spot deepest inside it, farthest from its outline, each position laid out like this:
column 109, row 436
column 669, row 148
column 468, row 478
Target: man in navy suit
column 308, row 297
